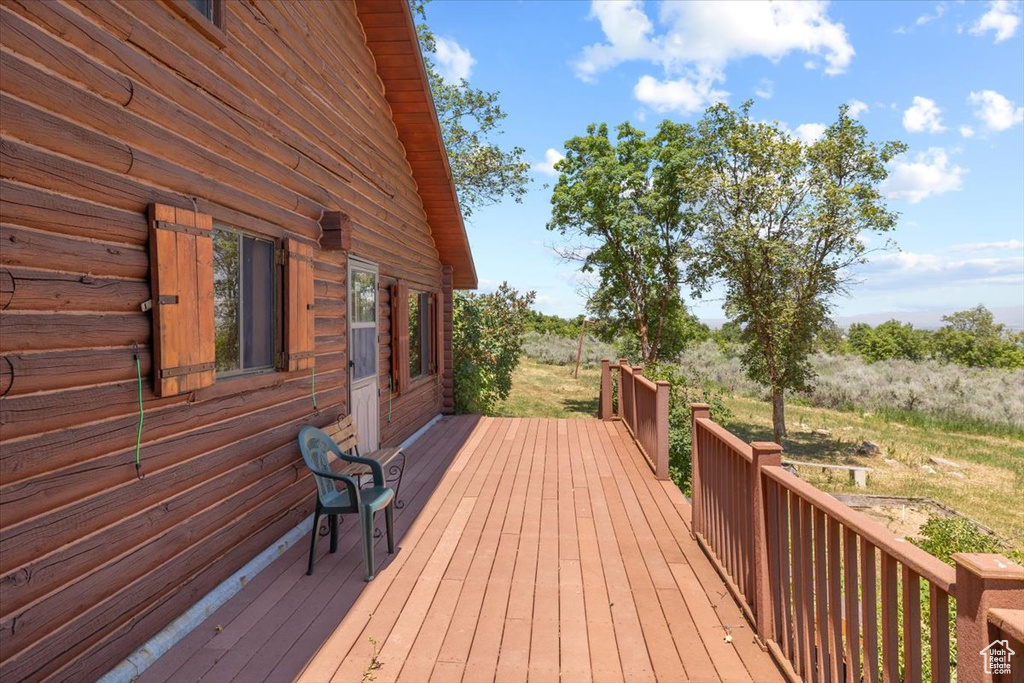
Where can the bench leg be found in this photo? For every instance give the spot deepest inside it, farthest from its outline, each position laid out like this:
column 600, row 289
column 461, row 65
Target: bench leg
column 398, row 468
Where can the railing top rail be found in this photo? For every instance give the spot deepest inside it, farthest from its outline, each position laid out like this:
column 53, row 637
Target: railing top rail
column 1009, row 621
column 646, row 383
column 626, row 368
column 731, row 440
column 931, row 568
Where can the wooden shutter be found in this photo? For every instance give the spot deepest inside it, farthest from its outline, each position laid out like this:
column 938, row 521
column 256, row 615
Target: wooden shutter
column 181, row 262
column 300, row 318
column 400, row 337
column 439, row 333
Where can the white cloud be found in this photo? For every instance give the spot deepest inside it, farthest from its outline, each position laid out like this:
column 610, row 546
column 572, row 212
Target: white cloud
column 678, row 95
column 547, row 167
column 699, row 40
column 929, row 174
column 967, row 131
column 856, row 109
column 765, row 89
column 1002, row 18
column 1008, row 245
column 996, row 111
column 940, row 9
column 919, row 271
column 454, row 62
column 923, row 116
column 809, row 132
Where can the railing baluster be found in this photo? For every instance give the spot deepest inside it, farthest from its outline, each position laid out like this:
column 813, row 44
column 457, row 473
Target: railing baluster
column 939, row 613
column 821, row 596
column 785, row 586
column 852, row 588
column 890, row 620
column 911, row 626
column 869, row 606
column 797, row 558
column 835, row 599
column 772, row 525
column 807, row 585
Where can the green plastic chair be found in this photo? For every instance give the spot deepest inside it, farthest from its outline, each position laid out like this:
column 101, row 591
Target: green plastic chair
column 318, row 450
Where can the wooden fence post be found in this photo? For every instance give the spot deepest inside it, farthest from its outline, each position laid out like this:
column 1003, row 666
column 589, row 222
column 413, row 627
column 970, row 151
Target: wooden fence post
column 765, row 454
column 983, row 582
column 620, row 413
column 661, row 458
column 698, row 411
column 605, row 408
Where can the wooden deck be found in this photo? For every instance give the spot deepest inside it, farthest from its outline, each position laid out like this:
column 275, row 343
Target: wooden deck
column 529, row 549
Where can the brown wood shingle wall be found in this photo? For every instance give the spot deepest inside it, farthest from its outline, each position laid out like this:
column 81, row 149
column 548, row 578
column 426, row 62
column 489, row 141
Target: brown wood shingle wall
column 107, row 108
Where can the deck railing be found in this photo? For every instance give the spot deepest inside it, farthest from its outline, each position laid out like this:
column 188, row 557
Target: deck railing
column 643, row 408
column 832, row 594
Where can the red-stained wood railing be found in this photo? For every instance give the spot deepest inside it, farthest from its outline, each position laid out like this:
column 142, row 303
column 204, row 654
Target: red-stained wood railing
column 642, row 407
column 832, row 594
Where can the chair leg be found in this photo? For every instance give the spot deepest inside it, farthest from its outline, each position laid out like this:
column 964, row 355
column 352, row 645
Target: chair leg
column 389, row 521
column 366, row 518
column 312, row 542
column 333, row 521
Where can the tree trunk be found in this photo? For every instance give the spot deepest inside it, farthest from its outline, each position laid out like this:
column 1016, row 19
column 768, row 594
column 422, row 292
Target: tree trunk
column 778, row 415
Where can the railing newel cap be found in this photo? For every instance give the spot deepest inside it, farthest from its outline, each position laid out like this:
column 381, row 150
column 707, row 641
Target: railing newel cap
column 990, row 566
column 766, row 446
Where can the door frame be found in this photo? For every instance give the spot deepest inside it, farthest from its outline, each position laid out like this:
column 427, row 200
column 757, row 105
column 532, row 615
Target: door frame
column 356, row 263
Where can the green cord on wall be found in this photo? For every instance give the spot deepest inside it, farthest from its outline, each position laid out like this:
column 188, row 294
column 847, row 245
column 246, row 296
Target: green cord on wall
column 142, row 415
column 312, row 372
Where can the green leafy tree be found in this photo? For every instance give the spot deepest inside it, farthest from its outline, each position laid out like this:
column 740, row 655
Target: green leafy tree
column 470, row 119
column 891, row 340
column 973, row 338
column 487, row 341
column 625, row 209
column 780, row 229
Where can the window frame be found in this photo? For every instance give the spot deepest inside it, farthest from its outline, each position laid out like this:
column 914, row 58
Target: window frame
column 212, row 28
column 277, row 305
column 426, row 333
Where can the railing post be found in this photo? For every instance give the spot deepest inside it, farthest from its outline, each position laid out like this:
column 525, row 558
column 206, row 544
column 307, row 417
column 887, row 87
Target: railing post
column 661, row 458
column 765, row 454
column 605, row 408
column 638, row 371
column 698, row 411
column 982, row 582
column 621, row 413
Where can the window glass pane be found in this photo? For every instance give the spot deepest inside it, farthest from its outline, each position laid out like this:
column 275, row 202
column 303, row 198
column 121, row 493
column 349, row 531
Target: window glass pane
column 426, row 332
column 226, row 299
column 364, row 352
column 258, row 303
column 415, row 342
column 364, row 297
column 205, row 7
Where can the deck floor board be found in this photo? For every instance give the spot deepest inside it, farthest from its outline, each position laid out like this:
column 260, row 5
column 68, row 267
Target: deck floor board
column 529, row 550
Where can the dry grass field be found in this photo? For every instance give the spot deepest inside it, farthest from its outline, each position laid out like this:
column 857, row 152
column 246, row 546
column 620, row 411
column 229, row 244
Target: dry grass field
column 986, row 485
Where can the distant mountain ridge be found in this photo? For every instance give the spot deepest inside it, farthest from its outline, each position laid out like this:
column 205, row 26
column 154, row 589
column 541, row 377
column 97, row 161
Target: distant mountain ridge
column 1011, row 316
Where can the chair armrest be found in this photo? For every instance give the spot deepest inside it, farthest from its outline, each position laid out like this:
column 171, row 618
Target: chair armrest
column 350, row 483
column 375, row 467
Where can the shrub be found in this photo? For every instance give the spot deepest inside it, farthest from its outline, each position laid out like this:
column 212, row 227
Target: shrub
column 553, row 349
column 487, row 339
column 686, row 390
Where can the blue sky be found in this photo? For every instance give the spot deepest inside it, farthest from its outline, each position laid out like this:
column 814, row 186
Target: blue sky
column 947, row 78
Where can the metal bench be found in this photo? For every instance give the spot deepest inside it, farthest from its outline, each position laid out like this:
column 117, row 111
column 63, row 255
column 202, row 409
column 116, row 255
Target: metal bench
column 343, row 431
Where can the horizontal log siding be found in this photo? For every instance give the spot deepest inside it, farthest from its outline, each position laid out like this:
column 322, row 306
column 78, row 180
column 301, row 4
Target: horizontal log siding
column 108, row 107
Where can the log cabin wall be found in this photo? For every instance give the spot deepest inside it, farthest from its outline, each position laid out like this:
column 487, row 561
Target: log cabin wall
column 108, row 108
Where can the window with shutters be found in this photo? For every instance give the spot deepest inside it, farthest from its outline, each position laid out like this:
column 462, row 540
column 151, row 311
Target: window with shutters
column 416, row 324
column 244, row 276
column 225, row 302
column 420, row 334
